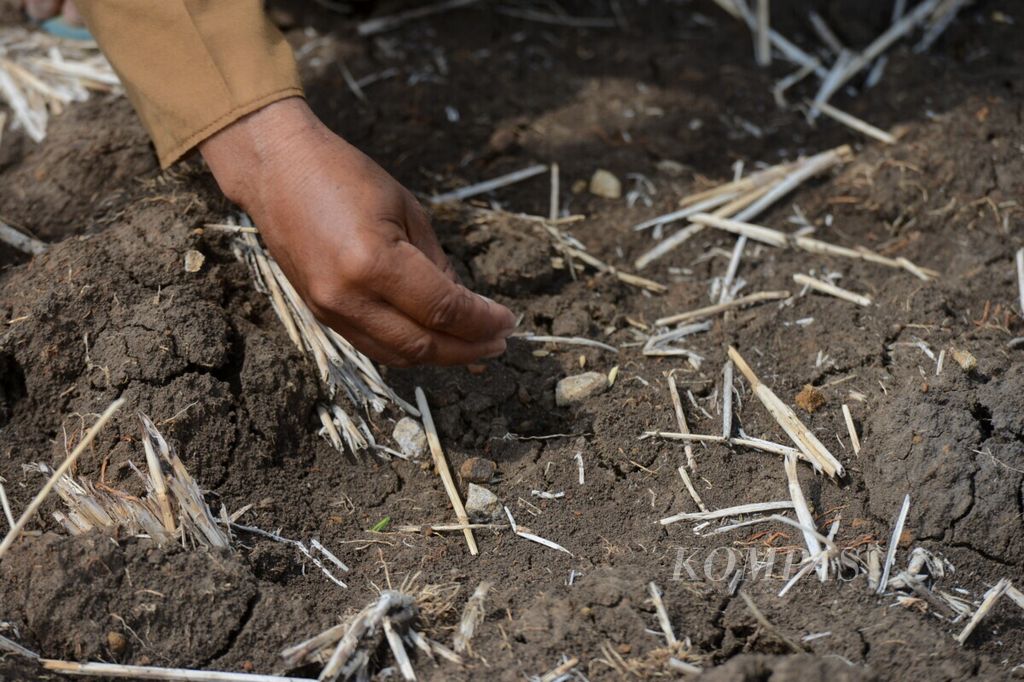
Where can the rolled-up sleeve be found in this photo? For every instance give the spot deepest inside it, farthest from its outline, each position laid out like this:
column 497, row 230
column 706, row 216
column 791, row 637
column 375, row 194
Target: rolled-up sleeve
column 192, row 67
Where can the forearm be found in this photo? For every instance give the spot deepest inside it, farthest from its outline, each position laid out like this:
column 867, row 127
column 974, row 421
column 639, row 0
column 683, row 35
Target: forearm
column 193, row 67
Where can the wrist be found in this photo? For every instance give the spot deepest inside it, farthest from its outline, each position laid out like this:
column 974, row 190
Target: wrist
column 241, row 155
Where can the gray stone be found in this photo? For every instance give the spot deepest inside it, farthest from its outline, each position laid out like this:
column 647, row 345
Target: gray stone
column 410, row 437
column 482, row 505
column 579, row 387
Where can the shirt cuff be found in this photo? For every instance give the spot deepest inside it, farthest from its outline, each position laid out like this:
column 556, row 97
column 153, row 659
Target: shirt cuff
column 193, row 67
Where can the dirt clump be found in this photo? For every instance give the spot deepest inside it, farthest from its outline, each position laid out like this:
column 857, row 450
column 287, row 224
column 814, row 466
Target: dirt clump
column 810, row 399
column 150, row 599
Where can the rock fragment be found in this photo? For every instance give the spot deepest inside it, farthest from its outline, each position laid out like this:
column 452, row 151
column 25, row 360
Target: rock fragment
column 477, row 470
column 579, row 387
column 965, row 359
column 410, row 437
column 116, row 643
column 604, row 184
column 482, row 505
column 194, row 260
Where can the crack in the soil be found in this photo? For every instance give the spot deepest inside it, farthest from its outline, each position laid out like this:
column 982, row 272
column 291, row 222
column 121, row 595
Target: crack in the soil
column 716, row 621
column 236, row 632
column 865, row 645
column 982, row 553
column 970, row 505
column 983, row 415
column 887, row 341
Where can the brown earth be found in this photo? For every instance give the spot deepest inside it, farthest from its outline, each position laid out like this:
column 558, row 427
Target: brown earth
column 110, row 311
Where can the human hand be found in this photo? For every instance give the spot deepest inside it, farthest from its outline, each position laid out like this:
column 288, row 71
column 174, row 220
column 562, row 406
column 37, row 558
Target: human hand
column 47, row 9
column 354, row 243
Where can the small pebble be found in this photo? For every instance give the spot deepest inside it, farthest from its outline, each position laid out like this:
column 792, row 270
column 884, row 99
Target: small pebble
column 194, row 260
column 671, row 168
column 965, row 359
column 482, row 505
column 410, row 437
column 116, row 643
column 604, row 184
column 577, row 388
column 477, row 470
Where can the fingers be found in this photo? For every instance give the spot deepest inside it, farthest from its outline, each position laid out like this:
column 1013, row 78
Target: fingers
column 411, row 283
column 71, row 14
column 423, row 237
column 42, row 9
column 389, row 337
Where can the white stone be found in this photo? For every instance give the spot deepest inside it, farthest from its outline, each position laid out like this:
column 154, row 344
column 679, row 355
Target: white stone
column 482, row 505
column 604, row 184
column 410, row 437
column 579, row 387
column 194, row 260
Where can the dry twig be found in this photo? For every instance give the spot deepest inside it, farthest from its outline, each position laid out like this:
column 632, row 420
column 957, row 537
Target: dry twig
column 663, row 619
column 441, row 464
column 693, row 491
column 1020, row 278
column 738, row 510
column 851, row 121
column 894, row 541
column 156, row 474
column 767, row 235
column 677, row 406
column 708, row 311
column 472, row 616
column 21, row 242
column 65, row 466
column 347, row 650
column 139, row 672
column 5, row 504
column 991, row 597
column 40, row 75
column 804, row 516
column 854, row 440
column 489, row 185
column 831, row 289
column 787, row 419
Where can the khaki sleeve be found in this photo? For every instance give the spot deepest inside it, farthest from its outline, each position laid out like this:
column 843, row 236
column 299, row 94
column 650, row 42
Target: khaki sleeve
column 192, row 67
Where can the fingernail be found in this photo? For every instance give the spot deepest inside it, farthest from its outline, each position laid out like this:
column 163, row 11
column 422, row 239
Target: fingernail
column 507, row 331
column 491, row 301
